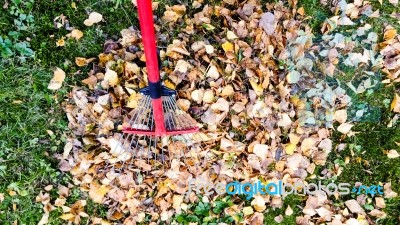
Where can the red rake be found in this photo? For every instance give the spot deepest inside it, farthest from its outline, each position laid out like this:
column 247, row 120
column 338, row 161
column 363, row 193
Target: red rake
column 157, row 115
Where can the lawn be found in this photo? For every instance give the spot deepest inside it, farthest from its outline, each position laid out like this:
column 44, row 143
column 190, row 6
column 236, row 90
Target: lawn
column 34, row 127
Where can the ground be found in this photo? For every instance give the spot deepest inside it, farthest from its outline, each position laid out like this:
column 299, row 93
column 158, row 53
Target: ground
column 32, row 123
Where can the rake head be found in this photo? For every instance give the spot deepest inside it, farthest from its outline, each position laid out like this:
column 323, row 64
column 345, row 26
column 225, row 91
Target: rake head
column 143, row 144
column 175, row 120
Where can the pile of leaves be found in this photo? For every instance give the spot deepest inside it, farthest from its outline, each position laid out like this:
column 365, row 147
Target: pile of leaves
column 254, row 79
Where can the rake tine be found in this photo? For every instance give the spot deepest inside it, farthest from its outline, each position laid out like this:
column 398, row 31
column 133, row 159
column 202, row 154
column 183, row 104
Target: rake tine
column 138, row 114
column 168, row 102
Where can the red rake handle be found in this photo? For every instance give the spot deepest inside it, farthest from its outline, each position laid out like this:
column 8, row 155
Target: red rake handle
column 149, row 42
column 148, row 37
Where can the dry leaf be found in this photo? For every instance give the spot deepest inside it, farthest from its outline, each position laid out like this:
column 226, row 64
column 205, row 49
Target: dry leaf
column 68, row 216
column 344, row 128
column 395, row 106
column 75, row 33
column 80, row 61
column 208, row 96
column 60, row 42
column 44, row 220
column 97, row 193
column 111, row 77
column 393, row 154
column 258, row 204
column 227, row 46
column 213, row 72
column 57, row 80
column 288, row 211
column 231, row 36
column 268, row 23
column 94, row 17
column 340, row 116
column 354, row 207
column 258, row 89
column 67, row 149
column 390, row 34
column 380, row 202
column 247, row 211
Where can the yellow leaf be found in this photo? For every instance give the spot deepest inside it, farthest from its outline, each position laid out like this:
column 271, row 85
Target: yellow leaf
column 133, row 100
column 80, row 61
column 68, row 216
column 73, row 5
column 60, row 42
column 390, row 34
column 301, row 11
column 227, row 46
column 289, row 148
column 169, row 84
column 256, row 87
column 98, row 193
column 395, row 106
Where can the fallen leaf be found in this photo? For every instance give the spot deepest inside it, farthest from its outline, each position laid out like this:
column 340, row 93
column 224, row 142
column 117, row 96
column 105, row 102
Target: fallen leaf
column 75, row 33
column 94, row 17
column 395, row 106
column 44, row 220
column 258, row 89
column 344, row 128
column 97, row 193
column 60, row 42
column 268, row 23
column 288, row 211
column 80, row 61
column 293, row 77
column 68, row 216
column 380, row 202
column 57, row 80
column 393, row 154
column 67, row 149
column 248, row 211
column 213, row 72
column 111, row 77
column 231, row 36
column 340, row 116
column 258, row 204
column 354, row 207
column 390, row 34
column 227, row 46
column 208, row 96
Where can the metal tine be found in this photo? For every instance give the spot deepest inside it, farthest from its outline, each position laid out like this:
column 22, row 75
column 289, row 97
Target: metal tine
column 141, row 115
column 142, row 101
column 170, row 108
column 171, row 105
column 175, row 104
column 150, row 118
column 176, row 108
column 168, row 113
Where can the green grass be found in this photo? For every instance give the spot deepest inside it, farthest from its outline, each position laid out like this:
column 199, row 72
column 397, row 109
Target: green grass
column 29, row 109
